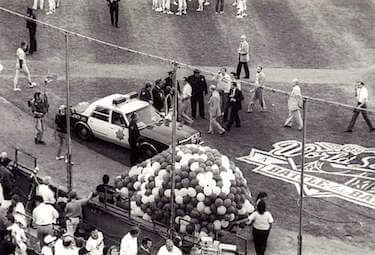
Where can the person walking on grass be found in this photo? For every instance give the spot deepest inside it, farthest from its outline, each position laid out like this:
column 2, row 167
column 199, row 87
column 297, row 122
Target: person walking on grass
column 223, row 86
column 361, row 95
column 31, row 26
column 51, row 6
column 21, row 67
column 215, row 112
column 60, row 130
column 235, row 98
column 260, row 79
column 113, row 11
column 219, row 8
column 261, row 220
column 295, row 105
column 199, row 89
column 185, row 102
column 182, row 7
column 243, row 58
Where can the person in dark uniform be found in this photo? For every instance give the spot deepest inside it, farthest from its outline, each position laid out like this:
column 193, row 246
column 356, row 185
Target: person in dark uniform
column 168, row 85
column 235, row 98
column 146, row 94
column 113, row 10
column 158, row 96
column 31, row 26
column 133, row 138
column 199, row 89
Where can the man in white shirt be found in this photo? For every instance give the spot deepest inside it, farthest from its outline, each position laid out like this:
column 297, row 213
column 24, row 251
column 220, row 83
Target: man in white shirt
column 181, row 7
column 95, row 243
column 21, row 66
column 66, row 246
column 129, row 243
column 169, row 249
column 361, row 94
column 185, row 101
column 243, row 58
column 166, row 5
column 223, row 86
column 44, row 216
column 295, row 106
column 260, row 79
column 52, row 6
column 45, row 191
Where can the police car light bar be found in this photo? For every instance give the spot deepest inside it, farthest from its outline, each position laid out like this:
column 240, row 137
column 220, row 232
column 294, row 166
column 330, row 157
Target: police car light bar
column 123, row 99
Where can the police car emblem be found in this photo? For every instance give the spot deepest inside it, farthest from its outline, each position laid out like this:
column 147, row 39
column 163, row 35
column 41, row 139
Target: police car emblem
column 345, row 171
column 120, row 134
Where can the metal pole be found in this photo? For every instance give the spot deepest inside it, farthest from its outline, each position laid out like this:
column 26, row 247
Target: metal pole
column 301, row 181
column 69, row 139
column 174, row 125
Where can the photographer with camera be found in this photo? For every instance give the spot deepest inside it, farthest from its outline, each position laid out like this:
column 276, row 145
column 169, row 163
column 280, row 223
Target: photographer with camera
column 39, row 107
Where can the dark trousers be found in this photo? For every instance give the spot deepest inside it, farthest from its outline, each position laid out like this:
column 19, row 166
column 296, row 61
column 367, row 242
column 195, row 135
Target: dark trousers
column 133, row 155
column 33, row 46
column 219, row 5
column 364, row 115
column 224, row 105
column 200, row 100
column 260, row 240
column 239, row 67
column 113, row 10
column 234, row 117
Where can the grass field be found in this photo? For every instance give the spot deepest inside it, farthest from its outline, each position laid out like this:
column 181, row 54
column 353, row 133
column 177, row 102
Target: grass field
column 283, row 33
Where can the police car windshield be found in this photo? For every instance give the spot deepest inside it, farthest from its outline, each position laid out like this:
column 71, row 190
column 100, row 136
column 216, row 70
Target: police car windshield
column 148, row 116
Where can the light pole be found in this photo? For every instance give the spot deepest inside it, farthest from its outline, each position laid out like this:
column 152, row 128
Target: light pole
column 68, row 103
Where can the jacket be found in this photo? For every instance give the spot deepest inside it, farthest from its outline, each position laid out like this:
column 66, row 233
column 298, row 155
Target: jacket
column 243, row 52
column 198, row 85
column 237, row 98
column 214, row 105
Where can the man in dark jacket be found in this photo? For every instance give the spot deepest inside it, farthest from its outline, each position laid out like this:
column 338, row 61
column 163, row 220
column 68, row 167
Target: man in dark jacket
column 145, row 94
column 133, row 138
column 31, row 26
column 158, row 96
column 199, row 89
column 113, row 10
column 145, row 248
column 235, row 98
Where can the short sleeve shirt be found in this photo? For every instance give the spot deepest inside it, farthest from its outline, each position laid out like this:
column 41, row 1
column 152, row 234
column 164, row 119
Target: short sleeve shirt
column 362, row 95
column 186, row 92
column 261, row 221
column 95, row 246
column 21, row 55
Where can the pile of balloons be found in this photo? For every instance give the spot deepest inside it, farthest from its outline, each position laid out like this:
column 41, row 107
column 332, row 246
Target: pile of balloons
column 210, row 191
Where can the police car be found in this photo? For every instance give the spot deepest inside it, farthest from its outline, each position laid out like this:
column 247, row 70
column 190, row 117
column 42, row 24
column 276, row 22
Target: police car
column 108, row 119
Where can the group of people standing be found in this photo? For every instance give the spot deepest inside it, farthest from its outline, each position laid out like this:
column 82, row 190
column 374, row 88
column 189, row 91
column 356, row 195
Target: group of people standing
column 164, row 6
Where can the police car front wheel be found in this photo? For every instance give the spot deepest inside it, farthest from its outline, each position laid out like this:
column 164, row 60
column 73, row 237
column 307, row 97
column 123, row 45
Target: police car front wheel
column 83, row 132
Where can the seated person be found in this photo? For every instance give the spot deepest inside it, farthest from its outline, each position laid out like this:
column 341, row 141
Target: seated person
column 105, row 191
column 4, row 160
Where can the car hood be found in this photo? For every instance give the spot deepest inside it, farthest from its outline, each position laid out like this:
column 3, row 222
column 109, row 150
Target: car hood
column 163, row 133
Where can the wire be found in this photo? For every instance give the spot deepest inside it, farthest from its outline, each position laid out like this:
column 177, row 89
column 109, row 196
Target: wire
column 170, row 61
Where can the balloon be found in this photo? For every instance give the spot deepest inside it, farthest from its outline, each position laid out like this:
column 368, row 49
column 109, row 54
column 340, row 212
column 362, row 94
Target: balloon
column 225, row 190
column 207, row 210
column 217, row 225
column 146, row 217
column 227, row 203
column 200, row 206
column 216, row 190
column 194, row 166
column 221, row 210
column 192, row 192
column 200, row 197
column 167, row 193
column 224, row 223
column 179, row 200
column 219, row 202
column 207, row 191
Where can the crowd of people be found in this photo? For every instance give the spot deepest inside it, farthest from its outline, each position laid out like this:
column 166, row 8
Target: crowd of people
column 164, row 6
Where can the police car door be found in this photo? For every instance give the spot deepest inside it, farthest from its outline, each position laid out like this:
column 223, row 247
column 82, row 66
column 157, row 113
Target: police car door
column 99, row 122
column 119, row 129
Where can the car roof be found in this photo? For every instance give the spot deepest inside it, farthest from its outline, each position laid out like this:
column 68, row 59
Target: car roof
column 130, row 105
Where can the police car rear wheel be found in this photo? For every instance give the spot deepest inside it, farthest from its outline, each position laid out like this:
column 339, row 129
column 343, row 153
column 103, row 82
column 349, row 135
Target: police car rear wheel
column 83, row 132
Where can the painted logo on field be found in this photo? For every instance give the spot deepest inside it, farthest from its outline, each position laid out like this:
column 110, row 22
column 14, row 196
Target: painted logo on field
column 331, row 170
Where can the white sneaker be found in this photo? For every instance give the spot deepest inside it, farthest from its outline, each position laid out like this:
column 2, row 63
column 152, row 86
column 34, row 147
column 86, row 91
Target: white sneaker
column 169, row 12
column 48, row 13
column 222, row 12
column 175, row 3
column 184, row 12
column 32, row 85
column 234, row 4
column 207, row 3
column 199, row 10
column 59, row 157
column 16, row 89
column 245, row 14
column 159, row 9
column 239, row 16
column 178, row 13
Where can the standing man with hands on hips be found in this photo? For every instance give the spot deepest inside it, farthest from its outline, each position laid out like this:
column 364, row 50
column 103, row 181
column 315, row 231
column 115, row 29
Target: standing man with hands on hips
column 243, row 58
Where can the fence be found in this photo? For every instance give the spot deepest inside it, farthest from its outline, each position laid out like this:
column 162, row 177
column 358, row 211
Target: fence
column 331, row 157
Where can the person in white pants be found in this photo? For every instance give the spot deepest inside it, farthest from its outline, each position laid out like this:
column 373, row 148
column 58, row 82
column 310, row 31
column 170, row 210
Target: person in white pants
column 181, row 7
column 242, row 8
column 52, row 6
column 167, row 7
column 295, row 105
column 41, row 4
column 200, row 5
column 21, row 66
